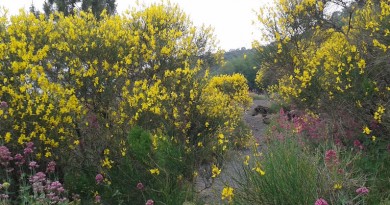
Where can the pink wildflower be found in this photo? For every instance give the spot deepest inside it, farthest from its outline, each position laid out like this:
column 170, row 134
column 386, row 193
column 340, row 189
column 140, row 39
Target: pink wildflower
column 331, row 157
column 321, row 201
column 358, row 144
column 99, row 178
column 54, row 186
column 140, row 186
column 38, row 177
column 29, row 148
column 19, row 159
column 30, row 144
column 362, row 190
column 149, row 202
column 51, row 167
column 33, row 165
column 98, row 198
column 3, row 104
column 5, row 156
column 27, row 151
column 338, row 142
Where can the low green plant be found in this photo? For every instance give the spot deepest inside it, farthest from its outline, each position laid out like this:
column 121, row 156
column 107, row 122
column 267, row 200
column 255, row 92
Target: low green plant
column 276, row 106
column 256, row 96
column 140, row 142
column 376, row 163
column 284, row 175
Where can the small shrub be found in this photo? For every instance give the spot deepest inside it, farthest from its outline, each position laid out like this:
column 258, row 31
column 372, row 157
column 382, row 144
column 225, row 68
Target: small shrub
column 140, row 143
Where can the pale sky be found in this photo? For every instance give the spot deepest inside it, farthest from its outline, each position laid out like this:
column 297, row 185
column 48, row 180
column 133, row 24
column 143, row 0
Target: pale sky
column 231, row 19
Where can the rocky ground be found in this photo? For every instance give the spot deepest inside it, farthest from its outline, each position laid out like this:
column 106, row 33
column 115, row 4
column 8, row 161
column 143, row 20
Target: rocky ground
column 212, row 194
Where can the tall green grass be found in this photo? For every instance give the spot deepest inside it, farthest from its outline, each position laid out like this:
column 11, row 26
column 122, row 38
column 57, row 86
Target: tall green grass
column 290, row 177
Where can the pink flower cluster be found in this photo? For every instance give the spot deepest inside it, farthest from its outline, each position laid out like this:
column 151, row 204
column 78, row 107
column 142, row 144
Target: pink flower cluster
column 29, row 148
column 38, row 182
column 19, row 160
column 42, row 186
column 51, row 167
column 5, row 156
column 51, row 190
column 33, row 165
column 331, row 158
column 311, row 126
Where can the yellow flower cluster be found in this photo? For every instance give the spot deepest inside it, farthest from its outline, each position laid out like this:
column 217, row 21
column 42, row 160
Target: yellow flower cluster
column 155, row 171
column 227, row 193
column 258, row 169
column 226, row 97
column 215, row 171
column 379, row 113
column 39, row 109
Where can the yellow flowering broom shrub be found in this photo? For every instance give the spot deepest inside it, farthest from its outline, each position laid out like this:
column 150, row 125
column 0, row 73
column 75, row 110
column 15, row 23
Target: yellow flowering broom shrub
column 75, row 86
column 331, row 66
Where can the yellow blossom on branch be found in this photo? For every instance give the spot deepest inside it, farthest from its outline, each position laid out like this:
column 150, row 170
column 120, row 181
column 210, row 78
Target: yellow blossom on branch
column 215, row 171
column 155, row 171
column 366, row 130
column 337, row 186
column 227, row 193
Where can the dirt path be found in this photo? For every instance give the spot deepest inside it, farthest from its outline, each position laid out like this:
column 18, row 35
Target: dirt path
column 256, row 122
column 212, row 195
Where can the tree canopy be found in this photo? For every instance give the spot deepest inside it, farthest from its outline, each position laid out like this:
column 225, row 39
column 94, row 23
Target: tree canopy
column 68, row 7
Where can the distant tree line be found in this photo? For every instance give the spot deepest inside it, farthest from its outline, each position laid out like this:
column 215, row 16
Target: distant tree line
column 69, row 7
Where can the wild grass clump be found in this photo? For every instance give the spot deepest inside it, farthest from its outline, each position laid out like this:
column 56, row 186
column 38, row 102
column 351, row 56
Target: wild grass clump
column 288, row 176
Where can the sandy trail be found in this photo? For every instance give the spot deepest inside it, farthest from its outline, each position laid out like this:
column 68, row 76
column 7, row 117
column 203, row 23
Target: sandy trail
column 212, row 194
